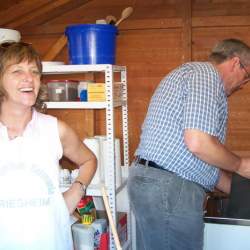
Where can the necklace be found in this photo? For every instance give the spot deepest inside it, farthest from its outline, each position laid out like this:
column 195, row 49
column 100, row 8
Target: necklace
column 14, row 129
column 13, row 133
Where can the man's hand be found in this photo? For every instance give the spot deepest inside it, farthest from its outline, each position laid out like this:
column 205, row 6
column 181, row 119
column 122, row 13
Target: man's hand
column 224, row 183
column 244, row 167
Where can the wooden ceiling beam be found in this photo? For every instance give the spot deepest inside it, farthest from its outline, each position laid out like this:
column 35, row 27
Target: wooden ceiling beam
column 59, row 11
column 19, row 10
column 36, row 13
column 80, row 14
column 8, row 4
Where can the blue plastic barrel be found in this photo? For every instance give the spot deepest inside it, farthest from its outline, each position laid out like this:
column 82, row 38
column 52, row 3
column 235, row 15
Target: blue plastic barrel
column 91, row 43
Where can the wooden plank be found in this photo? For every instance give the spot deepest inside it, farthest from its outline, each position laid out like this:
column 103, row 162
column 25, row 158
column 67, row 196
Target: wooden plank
column 203, row 41
column 41, row 30
column 221, row 7
column 187, row 30
column 36, row 13
column 158, row 23
column 20, row 9
column 59, row 11
column 89, row 123
column 144, row 24
column 97, row 10
column 55, row 49
column 43, row 45
column 221, row 21
column 7, row 4
column 163, row 23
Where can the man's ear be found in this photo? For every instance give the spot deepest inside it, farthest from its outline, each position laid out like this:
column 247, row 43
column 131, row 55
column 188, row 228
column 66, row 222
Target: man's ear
column 235, row 63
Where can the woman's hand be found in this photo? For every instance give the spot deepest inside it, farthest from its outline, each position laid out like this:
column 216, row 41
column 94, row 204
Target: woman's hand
column 72, row 196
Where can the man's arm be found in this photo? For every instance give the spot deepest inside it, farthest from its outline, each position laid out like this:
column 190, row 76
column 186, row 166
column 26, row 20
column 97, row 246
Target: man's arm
column 209, row 149
column 224, row 183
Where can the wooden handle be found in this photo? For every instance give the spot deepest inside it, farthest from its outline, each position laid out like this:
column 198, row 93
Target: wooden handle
column 55, row 49
column 125, row 14
column 111, row 222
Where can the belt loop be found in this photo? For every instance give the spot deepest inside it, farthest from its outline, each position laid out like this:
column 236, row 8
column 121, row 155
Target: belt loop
column 146, row 164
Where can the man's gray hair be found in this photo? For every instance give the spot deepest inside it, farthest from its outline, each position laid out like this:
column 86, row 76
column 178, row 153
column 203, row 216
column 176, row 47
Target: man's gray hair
column 229, row 48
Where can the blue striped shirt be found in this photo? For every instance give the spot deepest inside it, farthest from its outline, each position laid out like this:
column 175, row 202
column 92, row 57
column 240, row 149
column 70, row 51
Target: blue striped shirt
column 190, row 97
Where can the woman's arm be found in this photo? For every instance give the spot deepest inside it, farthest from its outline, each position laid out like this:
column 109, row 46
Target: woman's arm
column 76, row 151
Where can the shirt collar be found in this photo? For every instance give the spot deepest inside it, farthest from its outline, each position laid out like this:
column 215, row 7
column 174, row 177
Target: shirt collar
column 29, row 127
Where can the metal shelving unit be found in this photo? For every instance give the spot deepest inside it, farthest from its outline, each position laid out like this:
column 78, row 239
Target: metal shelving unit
column 109, row 106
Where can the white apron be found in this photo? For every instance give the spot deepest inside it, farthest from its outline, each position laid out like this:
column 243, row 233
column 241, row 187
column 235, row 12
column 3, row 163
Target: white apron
column 33, row 214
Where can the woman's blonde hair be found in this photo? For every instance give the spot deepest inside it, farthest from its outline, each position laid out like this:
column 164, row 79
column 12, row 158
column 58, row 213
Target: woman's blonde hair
column 14, row 53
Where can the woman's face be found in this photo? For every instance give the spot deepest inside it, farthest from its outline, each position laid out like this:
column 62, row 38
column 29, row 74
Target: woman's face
column 21, row 83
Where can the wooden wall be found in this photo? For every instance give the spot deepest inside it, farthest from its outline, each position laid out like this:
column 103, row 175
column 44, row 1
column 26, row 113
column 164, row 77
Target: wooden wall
column 158, row 36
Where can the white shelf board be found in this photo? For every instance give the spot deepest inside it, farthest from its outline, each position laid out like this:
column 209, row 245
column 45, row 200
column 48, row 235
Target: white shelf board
column 76, row 105
column 71, row 69
column 81, row 105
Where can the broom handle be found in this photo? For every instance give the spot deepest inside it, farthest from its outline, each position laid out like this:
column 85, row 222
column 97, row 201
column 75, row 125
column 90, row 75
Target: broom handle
column 111, row 222
column 56, row 48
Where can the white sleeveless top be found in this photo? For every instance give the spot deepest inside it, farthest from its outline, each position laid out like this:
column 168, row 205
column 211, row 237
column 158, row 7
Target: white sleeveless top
column 33, row 213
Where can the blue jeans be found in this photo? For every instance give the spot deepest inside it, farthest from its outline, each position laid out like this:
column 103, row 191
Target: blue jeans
column 168, row 210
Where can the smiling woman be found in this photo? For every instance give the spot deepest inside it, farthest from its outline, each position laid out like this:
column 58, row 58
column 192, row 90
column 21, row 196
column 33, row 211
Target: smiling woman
column 38, row 141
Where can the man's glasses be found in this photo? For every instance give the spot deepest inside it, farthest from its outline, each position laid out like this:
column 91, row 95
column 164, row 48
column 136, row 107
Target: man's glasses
column 244, row 68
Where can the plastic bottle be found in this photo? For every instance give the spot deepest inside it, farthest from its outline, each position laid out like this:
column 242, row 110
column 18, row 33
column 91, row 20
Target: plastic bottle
column 83, row 237
column 82, row 90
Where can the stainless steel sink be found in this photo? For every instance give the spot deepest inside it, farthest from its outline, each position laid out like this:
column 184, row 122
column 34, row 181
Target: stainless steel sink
column 228, row 221
column 226, row 234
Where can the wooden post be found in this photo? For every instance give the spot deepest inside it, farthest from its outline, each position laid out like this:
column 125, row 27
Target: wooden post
column 187, row 30
column 89, row 122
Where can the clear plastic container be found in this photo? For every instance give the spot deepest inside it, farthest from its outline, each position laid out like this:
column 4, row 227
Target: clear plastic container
column 63, row 90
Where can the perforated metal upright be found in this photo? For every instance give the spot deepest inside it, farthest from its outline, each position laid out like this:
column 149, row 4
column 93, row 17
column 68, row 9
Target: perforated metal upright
column 110, row 131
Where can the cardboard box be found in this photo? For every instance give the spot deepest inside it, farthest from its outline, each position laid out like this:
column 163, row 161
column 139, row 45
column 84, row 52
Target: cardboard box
column 122, row 224
column 96, row 92
column 96, row 87
column 96, row 97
